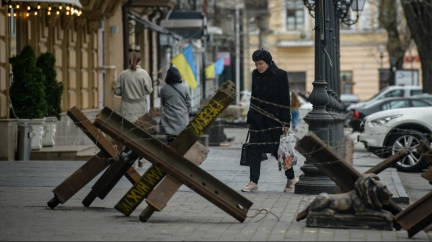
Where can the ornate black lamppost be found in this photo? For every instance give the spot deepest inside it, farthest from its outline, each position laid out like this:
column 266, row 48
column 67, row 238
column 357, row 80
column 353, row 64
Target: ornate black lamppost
column 340, row 14
column 324, row 120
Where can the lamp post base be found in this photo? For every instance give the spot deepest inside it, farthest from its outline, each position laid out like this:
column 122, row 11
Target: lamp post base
column 314, row 185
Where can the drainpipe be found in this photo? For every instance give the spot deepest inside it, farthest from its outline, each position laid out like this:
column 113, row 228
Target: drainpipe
column 125, row 22
column 155, row 60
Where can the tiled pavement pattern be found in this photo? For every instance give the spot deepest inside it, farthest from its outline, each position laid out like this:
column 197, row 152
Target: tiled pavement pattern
column 26, row 187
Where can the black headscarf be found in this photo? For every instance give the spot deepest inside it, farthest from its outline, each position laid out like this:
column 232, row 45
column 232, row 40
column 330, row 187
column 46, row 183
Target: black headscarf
column 173, row 76
column 262, row 55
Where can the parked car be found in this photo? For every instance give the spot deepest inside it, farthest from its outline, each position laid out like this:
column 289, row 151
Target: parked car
column 390, row 91
column 426, row 96
column 236, row 114
column 305, row 108
column 348, row 99
column 358, row 114
column 387, row 132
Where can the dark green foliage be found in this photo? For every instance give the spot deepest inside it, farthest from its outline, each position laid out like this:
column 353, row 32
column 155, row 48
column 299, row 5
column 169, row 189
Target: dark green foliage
column 27, row 91
column 53, row 89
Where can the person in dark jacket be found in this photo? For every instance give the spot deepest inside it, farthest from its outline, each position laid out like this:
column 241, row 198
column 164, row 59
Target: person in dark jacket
column 176, row 105
column 268, row 116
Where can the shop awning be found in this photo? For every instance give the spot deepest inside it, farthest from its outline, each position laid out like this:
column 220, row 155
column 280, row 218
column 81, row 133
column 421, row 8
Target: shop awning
column 190, row 25
column 153, row 26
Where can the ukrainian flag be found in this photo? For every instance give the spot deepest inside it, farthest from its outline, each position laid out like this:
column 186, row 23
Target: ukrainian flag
column 215, row 69
column 185, row 63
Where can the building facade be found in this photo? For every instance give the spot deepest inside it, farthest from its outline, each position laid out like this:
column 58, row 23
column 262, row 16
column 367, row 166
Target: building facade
column 79, row 44
column 290, row 39
column 91, row 48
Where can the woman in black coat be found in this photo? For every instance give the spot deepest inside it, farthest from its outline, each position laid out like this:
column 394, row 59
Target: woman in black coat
column 268, row 116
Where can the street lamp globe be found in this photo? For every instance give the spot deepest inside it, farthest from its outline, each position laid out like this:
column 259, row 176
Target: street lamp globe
column 358, row 5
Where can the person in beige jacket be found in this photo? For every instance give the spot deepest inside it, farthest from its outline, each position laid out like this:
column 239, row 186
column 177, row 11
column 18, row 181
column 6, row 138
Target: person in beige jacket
column 133, row 85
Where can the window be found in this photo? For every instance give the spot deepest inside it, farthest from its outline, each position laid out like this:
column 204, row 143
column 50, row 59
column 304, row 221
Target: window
column 347, row 82
column 297, row 81
column 395, row 104
column 416, row 92
column 13, row 33
column 294, row 15
column 395, row 93
column 418, row 103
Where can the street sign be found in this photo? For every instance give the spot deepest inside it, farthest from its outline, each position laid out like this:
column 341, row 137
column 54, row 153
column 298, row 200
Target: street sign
column 407, row 77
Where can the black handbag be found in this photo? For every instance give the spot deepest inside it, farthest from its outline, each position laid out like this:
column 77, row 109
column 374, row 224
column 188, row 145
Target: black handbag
column 245, row 153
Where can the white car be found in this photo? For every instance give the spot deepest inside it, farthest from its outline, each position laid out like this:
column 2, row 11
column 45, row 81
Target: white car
column 236, row 114
column 390, row 91
column 305, row 108
column 387, row 132
column 239, row 111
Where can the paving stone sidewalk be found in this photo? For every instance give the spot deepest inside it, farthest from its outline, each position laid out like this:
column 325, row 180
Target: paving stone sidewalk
column 26, row 187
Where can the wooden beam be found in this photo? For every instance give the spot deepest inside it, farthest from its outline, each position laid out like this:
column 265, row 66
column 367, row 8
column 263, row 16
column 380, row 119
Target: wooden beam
column 173, row 163
column 426, row 152
column 349, row 150
column 93, row 166
column 388, row 162
column 169, row 185
column 160, row 196
column 417, row 216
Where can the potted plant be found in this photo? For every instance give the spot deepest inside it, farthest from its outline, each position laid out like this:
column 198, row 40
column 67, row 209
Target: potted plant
column 53, row 94
column 27, row 94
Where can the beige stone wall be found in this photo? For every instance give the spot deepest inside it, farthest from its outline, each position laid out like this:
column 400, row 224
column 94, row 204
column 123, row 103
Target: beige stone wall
column 113, row 59
column 276, row 19
column 4, row 64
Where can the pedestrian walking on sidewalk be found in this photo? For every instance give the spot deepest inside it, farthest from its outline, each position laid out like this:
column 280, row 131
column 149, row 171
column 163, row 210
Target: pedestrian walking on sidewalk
column 133, row 85
column 268, row 116
column 176, row 105
column 295, row 107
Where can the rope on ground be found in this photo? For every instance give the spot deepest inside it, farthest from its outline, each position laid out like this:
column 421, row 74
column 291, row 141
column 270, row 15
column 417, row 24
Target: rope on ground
column 261, row 211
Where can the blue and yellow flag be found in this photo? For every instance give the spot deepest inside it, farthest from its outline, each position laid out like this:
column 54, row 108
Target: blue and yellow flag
column 185, row 63
column 215, row 68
